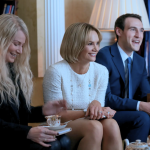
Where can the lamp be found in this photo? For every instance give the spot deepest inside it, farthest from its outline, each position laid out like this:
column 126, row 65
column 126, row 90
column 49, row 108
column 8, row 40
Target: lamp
column 105, row 13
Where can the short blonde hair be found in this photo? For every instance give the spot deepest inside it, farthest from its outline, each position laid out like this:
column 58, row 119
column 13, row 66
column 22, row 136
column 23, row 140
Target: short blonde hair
column 74, row 40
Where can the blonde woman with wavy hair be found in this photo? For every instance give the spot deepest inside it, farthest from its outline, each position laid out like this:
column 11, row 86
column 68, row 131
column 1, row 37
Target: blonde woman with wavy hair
column 10, row 25
column 83, row 83
column 15, row 94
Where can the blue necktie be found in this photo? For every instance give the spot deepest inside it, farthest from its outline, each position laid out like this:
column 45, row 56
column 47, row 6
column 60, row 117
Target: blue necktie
column 130, row 79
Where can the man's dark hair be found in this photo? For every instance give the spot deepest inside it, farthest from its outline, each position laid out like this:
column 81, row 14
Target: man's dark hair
column 120, row 22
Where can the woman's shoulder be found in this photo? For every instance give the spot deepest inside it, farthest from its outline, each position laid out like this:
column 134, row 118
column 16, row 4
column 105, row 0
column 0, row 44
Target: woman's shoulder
column 56, row 71
column 58, row 66
column 99, row 72
column 98, row 67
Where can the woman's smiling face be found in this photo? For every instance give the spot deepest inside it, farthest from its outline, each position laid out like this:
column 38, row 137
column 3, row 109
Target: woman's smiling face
column 91, row 49
column 15, row 47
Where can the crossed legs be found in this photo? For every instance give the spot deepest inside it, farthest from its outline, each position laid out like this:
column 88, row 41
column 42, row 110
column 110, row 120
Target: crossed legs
column 91, row 134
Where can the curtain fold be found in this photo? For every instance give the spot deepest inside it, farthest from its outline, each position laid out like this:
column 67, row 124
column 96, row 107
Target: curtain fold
column 146, row 41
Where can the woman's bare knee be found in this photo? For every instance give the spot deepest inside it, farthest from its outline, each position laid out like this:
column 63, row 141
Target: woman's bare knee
column 95, row 129
column 110, row 126
column 112, row 134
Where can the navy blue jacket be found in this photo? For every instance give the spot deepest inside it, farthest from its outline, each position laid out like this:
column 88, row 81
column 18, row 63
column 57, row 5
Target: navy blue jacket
column 110, row 57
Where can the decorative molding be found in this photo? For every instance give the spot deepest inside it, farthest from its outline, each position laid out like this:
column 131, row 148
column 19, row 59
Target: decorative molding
column 54, row 30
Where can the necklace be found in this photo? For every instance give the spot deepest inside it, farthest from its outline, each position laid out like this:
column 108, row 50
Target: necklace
column 72, row 87
column 89, row 86
column 80, row 84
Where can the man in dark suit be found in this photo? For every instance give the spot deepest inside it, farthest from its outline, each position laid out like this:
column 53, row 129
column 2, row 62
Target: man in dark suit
column 127, row 91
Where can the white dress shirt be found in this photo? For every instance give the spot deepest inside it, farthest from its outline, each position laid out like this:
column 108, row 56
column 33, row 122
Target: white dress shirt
column 124, row 56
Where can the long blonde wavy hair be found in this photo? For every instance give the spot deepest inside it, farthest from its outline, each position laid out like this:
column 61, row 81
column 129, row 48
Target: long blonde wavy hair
column 9, row 90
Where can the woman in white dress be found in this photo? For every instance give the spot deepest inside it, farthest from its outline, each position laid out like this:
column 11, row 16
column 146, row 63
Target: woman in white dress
column 83, row 83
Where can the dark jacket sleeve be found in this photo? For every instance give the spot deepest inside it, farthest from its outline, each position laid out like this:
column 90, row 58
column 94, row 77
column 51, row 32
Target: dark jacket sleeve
column 13, row 131
column 116, row 102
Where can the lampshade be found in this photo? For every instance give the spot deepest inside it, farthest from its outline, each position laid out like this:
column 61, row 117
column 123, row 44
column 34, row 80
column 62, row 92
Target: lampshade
column 105, row 12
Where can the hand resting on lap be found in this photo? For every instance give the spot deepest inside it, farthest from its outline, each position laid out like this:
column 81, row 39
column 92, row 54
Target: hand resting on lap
column 108, row 109
column 41, row 135
column 94, row 110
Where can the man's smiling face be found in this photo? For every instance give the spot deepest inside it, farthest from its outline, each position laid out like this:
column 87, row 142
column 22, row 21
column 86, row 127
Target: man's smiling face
column 131, row 37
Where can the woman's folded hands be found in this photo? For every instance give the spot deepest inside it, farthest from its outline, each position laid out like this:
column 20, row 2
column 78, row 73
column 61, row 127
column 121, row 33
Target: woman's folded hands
column 96, row 112
column 108, row 112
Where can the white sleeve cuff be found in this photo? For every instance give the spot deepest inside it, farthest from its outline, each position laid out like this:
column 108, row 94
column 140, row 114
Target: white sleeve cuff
column 137, row 107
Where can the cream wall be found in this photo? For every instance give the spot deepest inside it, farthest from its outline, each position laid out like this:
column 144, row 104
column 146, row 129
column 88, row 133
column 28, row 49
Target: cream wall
column 32, row 12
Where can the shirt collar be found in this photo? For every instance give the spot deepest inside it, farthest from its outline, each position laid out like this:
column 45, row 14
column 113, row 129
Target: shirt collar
column 124, row 56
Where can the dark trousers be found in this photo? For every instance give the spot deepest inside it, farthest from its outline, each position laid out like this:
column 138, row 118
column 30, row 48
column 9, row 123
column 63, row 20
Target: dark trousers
column 62, row 143
column 133, row 125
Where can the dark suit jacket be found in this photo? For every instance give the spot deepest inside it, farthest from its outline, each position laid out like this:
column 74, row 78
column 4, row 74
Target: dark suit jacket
column 110, row 57
column 13, row 124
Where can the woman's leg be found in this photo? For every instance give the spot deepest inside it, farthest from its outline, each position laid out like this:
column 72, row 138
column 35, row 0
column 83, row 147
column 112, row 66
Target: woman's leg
column 111, row 135
column 86, row 133
column 64, row 141
column 35, row 146
column 54, row 146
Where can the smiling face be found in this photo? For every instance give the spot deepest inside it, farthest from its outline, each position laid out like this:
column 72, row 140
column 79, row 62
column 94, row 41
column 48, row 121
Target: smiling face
column 15, row 47
column 131, row 37
column 91, row 48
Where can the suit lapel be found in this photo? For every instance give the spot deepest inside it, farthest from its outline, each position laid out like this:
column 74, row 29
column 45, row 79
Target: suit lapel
column 118, row 61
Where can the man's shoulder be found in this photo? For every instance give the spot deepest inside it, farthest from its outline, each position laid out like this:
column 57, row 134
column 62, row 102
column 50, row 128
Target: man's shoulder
column 139, row 62
column 106, row 48
column 104, row 55
column 140, row 58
